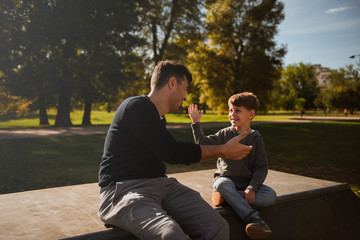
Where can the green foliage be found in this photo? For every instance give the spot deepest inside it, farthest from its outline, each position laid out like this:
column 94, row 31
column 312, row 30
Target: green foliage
column 297, row 88
column 343, row 89
column 94, row 54
column 12, row 106
column 240, row 54
column 64, row 49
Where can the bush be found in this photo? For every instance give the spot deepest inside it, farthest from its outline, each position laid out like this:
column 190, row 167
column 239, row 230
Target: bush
column 12, row 106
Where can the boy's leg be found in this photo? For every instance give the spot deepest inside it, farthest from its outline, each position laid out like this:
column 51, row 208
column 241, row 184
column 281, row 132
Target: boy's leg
column 196, row 217
column 265, row 196
column 256, row 227
column 135, row 206
column 226, row 187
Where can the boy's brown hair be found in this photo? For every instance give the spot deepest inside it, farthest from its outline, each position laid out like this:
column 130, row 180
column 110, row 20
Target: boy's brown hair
column 247, row 100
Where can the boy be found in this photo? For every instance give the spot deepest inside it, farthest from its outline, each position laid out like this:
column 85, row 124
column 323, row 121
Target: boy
column 240, row 183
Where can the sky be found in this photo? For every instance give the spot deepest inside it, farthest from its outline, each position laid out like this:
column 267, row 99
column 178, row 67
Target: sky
column 325, row 32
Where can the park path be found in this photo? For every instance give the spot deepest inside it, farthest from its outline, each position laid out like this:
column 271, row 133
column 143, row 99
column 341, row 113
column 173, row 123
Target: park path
column 42, row 132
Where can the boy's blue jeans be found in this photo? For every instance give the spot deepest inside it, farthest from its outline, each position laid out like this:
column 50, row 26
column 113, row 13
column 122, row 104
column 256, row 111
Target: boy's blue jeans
column 232, row 193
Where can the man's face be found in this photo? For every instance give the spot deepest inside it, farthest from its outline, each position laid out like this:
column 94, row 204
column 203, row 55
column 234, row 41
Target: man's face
column 179, row 95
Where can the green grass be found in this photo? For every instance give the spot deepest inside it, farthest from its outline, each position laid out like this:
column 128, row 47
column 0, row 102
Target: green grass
column 213, row 117
column 105, row 118
column 97, row 118
column 322, row 150
column 34, row 163
column 32, row 120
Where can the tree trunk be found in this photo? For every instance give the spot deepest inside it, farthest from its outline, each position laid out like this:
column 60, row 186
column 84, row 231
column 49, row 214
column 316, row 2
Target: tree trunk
column 63, row 113
column 43, row 117
column 87, row 112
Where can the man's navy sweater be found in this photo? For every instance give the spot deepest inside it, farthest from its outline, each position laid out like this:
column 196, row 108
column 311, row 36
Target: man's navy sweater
column 137, row 144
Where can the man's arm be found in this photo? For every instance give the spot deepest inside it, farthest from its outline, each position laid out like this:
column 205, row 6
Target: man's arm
column 232, row 149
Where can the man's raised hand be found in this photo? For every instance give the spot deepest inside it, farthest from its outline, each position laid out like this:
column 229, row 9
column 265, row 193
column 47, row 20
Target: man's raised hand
column 235, row 150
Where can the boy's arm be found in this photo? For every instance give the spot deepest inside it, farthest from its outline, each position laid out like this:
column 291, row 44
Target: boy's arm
column 201, row 138
column 261, row 166
column 198, row 133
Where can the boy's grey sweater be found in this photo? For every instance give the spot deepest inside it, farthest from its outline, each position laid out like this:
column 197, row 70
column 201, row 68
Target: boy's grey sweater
column 252, row 169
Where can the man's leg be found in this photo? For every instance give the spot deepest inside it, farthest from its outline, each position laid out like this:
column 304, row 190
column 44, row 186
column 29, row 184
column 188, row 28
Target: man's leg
column 195, row 216
column 135, row 206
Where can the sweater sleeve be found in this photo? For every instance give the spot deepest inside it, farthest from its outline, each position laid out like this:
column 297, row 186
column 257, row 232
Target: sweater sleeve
column 200, row 137
column 260, row 168
column 153, row 135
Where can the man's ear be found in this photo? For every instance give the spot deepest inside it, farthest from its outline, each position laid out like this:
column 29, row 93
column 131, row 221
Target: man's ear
column 172, row 82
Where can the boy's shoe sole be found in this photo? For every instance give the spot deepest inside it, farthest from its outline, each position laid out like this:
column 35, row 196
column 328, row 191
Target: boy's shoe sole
column 255, row 232
column 216, row 199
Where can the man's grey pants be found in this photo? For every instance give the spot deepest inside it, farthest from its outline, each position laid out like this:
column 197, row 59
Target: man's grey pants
column 161, row 208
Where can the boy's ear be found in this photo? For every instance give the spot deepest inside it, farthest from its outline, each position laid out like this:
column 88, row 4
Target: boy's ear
column 252, row 114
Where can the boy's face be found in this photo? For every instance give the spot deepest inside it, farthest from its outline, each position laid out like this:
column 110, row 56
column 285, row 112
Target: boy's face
column 239, row 116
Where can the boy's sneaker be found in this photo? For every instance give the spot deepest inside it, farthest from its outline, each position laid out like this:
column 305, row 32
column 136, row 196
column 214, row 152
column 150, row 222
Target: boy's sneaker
column 257, row 229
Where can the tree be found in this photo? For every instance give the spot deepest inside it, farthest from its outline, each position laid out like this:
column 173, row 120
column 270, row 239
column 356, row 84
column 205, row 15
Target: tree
column 26, row 66
column 241, row 54
column 67, row 49
column 164, row 22
column 107, row 46
column 343, row 90
column 299, row 82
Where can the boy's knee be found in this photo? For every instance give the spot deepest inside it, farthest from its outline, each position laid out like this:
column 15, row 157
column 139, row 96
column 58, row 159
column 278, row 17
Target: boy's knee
column 269, row 199
column 272, row 197
column 223, row 183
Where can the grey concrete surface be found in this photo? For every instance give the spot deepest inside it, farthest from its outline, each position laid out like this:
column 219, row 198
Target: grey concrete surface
column 70, row 211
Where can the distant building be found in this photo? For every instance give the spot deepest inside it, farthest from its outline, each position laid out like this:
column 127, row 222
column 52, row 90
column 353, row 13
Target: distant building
column 322, row 74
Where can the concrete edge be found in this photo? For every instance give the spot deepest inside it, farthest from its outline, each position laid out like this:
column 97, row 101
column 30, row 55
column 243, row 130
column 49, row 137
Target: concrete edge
column 109, row 234
column 312, row 193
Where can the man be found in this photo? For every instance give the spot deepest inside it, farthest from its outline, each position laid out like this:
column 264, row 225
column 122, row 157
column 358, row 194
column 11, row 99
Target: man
column 136, row 195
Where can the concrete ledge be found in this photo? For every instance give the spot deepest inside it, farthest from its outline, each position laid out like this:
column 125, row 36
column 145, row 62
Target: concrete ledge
column 71, row 212
column 324, row 213
column 313, row 214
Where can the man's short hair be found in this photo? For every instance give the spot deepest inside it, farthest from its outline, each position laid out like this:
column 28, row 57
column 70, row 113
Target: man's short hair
column 247, row 100
column 164, row 70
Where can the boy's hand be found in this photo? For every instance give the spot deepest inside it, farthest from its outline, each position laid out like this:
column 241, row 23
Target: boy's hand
column 194, row 113
column 249, row 196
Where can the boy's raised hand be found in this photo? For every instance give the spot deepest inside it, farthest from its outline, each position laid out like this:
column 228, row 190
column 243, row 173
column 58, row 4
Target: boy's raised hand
column 194, row 113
